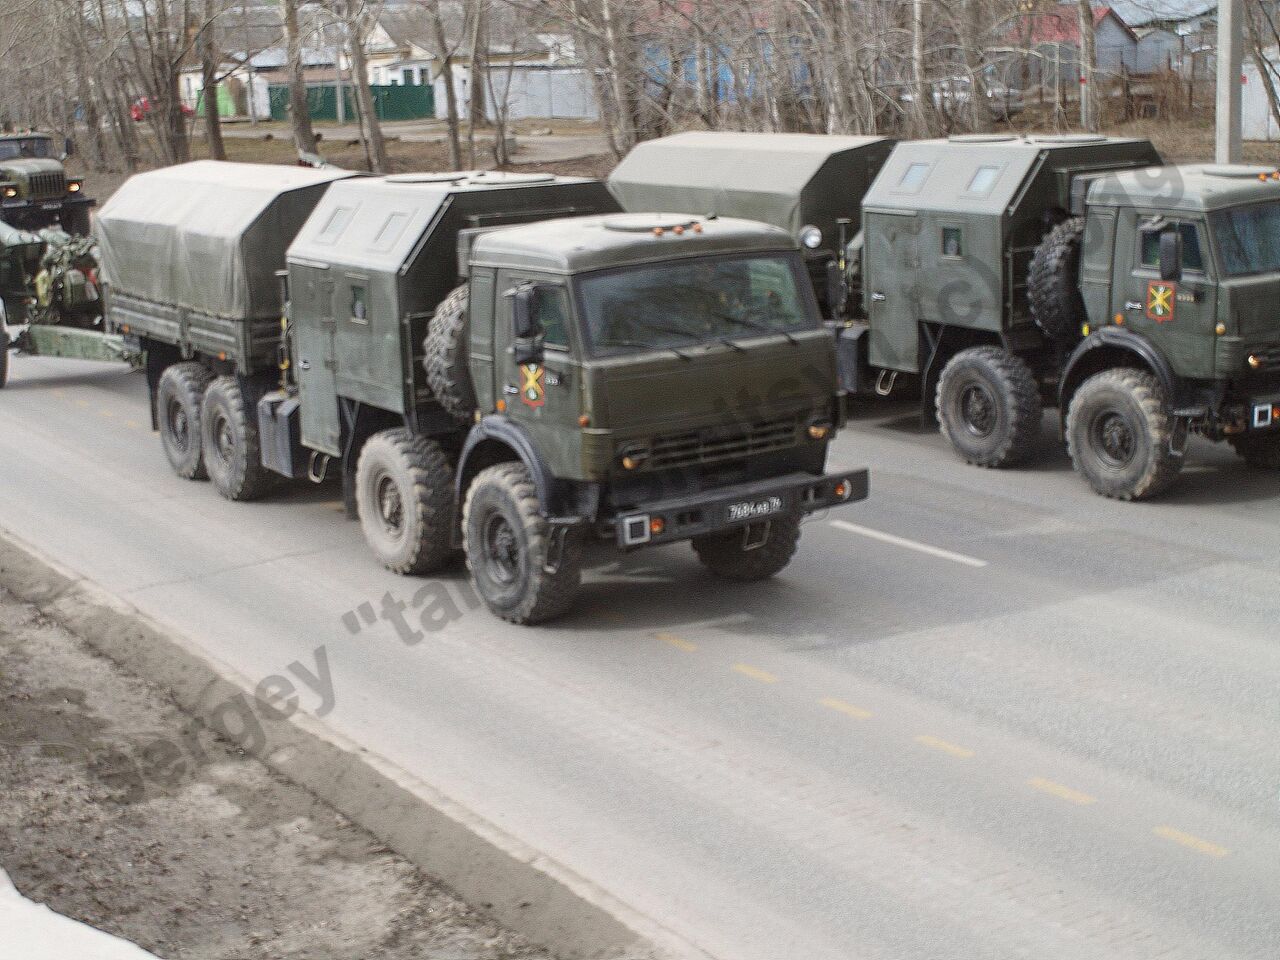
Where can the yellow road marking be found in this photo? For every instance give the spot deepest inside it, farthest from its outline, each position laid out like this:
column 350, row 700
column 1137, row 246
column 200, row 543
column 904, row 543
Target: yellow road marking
column 1061, row 792
column 106, row 413
column 846, row 708
column 82, row 403
column 944, row 746
column 755, row 673
column 1192, row 843
column 680, row 643
column 133, row 424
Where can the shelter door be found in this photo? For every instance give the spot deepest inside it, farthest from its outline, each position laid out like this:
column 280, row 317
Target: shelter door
column 891, row 266
column 311, row 312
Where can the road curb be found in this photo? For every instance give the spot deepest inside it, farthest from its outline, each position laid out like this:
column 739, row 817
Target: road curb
column 490, row 869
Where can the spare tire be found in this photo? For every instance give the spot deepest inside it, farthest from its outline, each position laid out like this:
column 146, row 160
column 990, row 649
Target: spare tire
column 448, row 358
column 1053, row 282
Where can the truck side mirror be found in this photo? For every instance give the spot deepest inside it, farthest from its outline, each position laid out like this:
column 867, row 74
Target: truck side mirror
column 68, row 148
column 525, row 329
column 1171, row 254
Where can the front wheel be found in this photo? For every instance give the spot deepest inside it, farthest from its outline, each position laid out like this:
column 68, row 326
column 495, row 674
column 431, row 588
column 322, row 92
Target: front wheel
column 1120, row 435
column 232, row 451
column 404, row 498
column 526, row 571
column 752, row 553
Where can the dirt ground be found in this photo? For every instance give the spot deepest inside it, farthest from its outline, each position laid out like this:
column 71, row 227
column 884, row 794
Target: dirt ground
column 116, row 811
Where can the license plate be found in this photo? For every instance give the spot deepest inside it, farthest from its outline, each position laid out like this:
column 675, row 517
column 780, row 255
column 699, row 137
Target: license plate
column 753, row 509
column 50, row 206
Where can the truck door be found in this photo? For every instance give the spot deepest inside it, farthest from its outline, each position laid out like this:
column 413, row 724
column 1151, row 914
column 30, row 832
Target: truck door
column 312, row 322
column 542, row 396
column 892, row 264
column 1178, row 316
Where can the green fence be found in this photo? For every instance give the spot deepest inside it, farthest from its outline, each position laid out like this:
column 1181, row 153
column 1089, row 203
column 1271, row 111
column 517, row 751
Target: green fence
column 389, row 103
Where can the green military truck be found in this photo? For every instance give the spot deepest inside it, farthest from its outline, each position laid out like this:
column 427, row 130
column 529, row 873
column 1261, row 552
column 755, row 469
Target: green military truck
column 1005, row 274
column 595, row 376
column 35, row 190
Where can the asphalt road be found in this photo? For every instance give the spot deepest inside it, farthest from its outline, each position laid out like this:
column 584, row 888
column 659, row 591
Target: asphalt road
column 982, row 715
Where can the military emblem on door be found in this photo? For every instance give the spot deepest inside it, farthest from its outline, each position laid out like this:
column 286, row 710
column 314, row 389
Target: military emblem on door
column 532, row 389
column 1161, row 300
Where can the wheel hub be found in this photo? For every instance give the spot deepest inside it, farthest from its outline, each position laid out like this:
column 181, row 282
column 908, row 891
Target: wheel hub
column 501, row 549
column 225, row 439
column 1114, row 439
column 978, row 410
column 390, row 506
column 179, row 426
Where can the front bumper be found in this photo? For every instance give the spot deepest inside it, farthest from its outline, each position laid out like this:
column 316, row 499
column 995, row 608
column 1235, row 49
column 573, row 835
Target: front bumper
column 734, row 507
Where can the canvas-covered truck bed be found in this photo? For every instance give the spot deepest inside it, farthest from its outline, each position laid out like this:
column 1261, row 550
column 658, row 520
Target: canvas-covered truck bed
column 190, row 255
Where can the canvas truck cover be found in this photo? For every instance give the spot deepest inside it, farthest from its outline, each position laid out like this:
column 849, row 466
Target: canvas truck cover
column 789, row 180
column 208, row 236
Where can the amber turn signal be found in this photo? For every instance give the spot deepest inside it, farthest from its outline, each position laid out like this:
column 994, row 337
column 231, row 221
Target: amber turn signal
column 584, row 421
column 1220, row 329
column 657, row 525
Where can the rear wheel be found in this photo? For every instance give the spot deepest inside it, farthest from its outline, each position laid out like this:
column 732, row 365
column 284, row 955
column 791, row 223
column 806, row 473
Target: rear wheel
column 229, row 434
column 988, row 405
column 179, row 397
column 525, row 571
column 1120, row 435
column 405, row 500
column 752, row 553
column 1259, row 452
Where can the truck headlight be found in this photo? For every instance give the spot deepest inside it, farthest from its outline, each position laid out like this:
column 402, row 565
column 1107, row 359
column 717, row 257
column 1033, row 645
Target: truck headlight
column 74, row 186
column 810, row 237
column 9, row 190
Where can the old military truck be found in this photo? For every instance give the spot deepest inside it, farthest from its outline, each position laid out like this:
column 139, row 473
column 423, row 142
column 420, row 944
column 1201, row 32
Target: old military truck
column 35, row 191
column 638, row 380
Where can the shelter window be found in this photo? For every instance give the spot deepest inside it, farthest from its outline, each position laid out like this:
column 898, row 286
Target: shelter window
column 553, row 317
column 390, row 232
column 915, row 176
column 952, row 242
column 336, row 225
column 359, row 304
column 1192, row 258
column 984, row 179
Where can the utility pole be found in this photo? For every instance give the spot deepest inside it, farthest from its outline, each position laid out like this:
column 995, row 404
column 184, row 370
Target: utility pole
column 1227, row 144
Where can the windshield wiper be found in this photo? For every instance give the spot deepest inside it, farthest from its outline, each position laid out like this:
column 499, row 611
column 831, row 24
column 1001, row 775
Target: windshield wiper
column 753, row 325
column 644, row 346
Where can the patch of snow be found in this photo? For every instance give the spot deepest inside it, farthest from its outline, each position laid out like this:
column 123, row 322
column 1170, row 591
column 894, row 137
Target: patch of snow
column 31, row 931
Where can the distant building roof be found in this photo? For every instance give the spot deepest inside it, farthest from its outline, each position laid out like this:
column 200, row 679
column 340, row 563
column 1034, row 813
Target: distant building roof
column 1141, row 13
column 1063, row 24
column 276, row 58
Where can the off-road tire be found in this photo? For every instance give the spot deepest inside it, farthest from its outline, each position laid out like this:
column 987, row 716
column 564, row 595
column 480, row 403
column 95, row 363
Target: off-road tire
column 447, row 357
column 1260, row 453
column 724, row 555
column 509, row 543
column 1120, row 434
column 405, row 501
column 232, row 450
column 988, row 406
column 179, row 398
column 1053, row 282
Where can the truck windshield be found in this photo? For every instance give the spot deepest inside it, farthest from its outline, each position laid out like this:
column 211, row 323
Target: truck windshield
column 35, row 147
column 671, row 305
column 1248, row 239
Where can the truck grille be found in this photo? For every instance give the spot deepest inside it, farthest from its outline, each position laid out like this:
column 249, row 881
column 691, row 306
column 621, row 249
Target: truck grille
column 716, row 444
column 48, row 186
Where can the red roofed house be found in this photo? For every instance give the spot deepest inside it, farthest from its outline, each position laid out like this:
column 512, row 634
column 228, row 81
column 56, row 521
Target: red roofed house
column 1053, row 36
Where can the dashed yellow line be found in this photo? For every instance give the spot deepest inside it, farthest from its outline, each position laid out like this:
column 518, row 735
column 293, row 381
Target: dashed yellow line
column 944, row 746
column 1191, row 842
column 755, row 673
column 133, row 424
column 106, row 413
column 680, row 643
column 1061, row 792
column 848, row 709
column 81, row 403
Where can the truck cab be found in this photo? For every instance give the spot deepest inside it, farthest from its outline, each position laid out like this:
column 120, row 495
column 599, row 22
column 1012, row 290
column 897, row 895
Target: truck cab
column 35, row 191
column 1182, row 267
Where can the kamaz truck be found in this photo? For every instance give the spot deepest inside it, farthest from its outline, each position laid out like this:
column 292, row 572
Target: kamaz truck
column 1006, row 274
column 493, row 362
column 35, row 190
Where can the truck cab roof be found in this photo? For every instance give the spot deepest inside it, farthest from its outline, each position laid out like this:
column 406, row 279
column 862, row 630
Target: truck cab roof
column 1193, row 187
column 583, row 244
